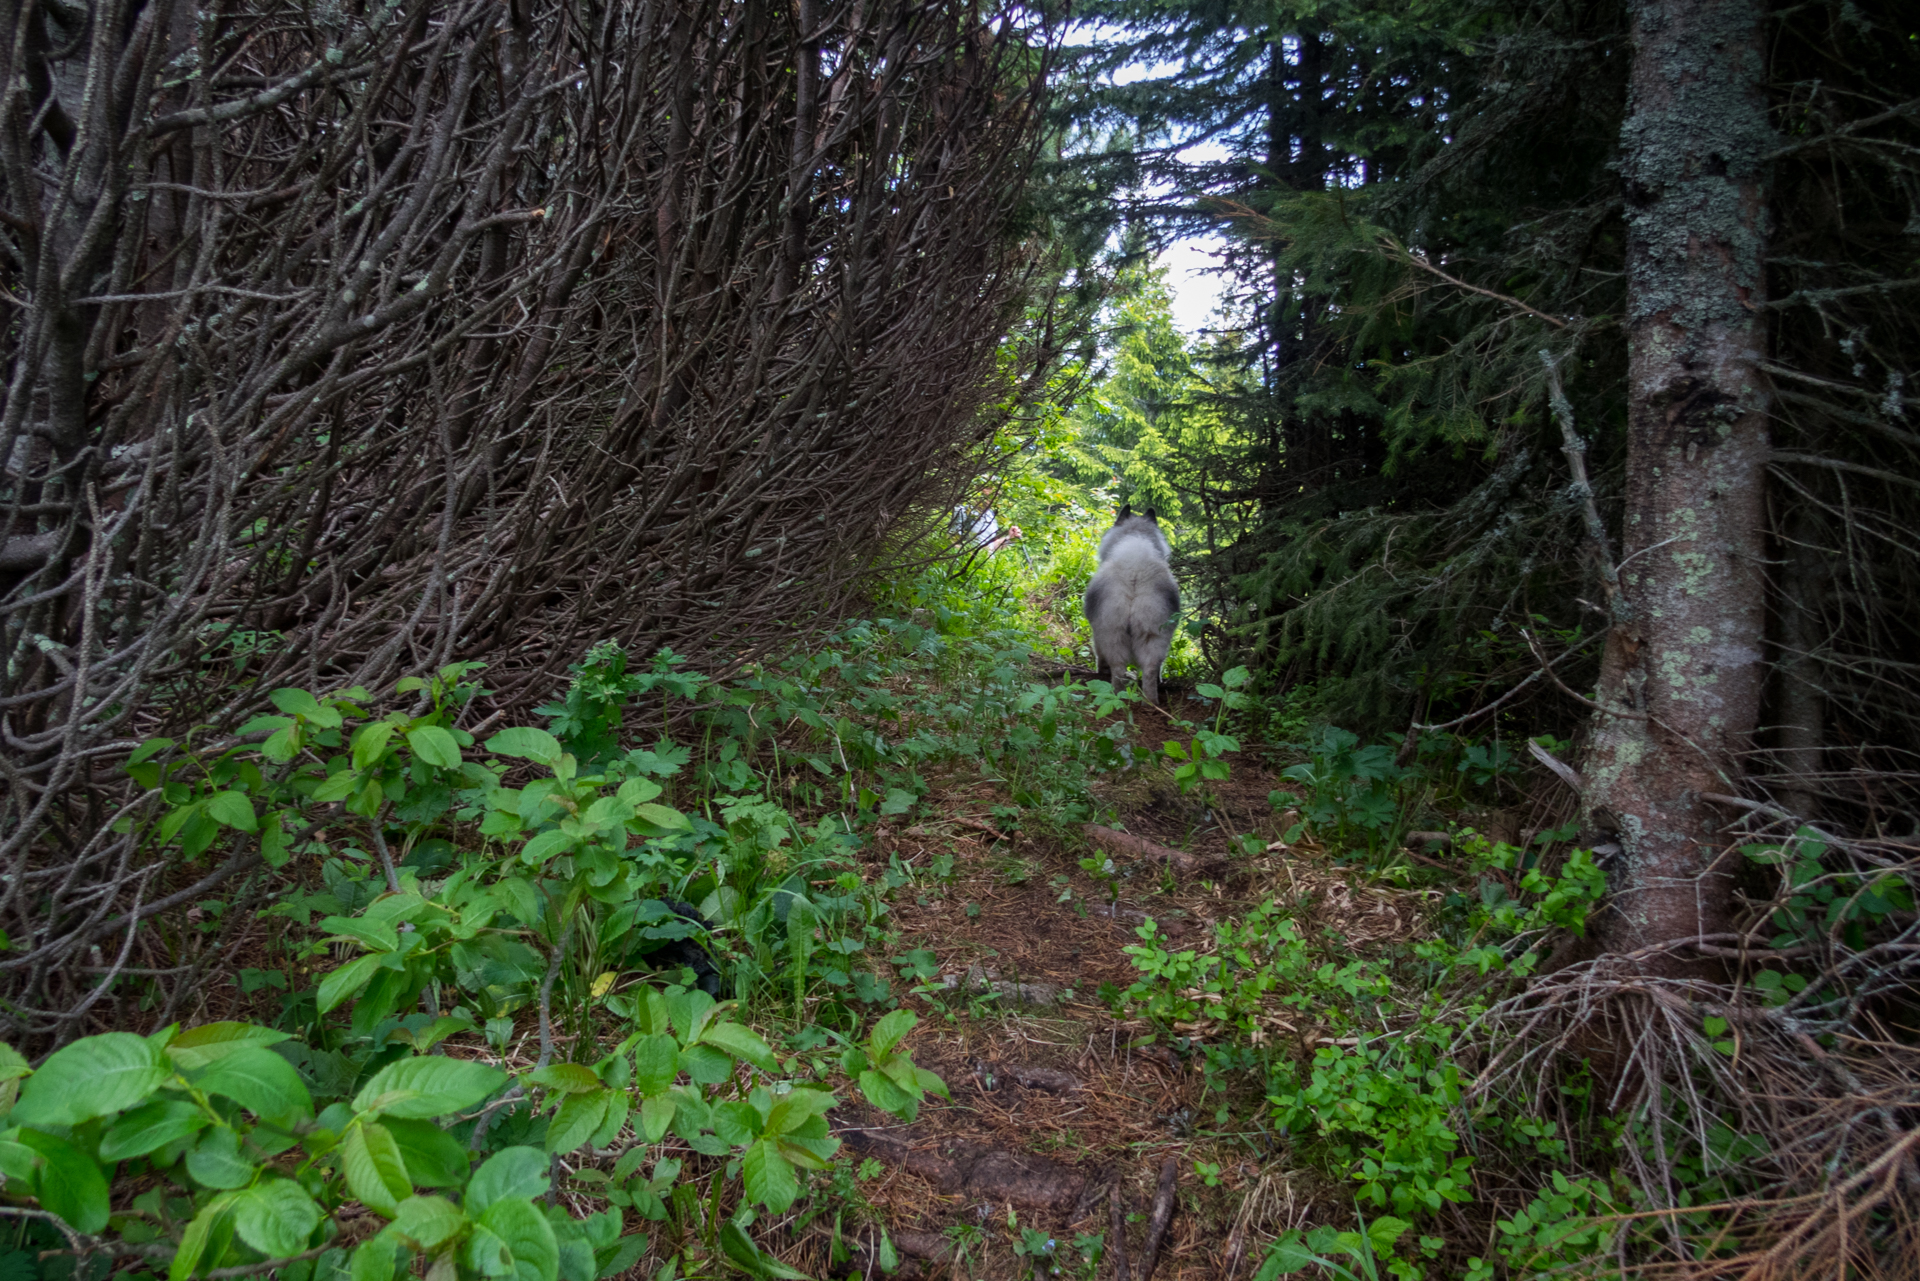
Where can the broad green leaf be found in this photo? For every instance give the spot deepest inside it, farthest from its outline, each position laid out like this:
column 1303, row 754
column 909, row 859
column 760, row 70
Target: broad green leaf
column 336, row 787
column 619, row 1104
column 706, row 1065
column 206, row 1237
column 18, row 1161
column 176, row 819
column 568, row 1078
column 638, row 791
column 658, row 820
column 149, row 1127
column 545, row 846
column 232, row 809
column 486, row 1253
column 901, row 1071
column 216, row 1161
column 260, row 1081
column 526, row 743
column 435, row 746
column 69, row 1182
column 435, row 1159
column 736, row 1122
column 630, row 1161
column 576, row 1256
column 148, row 750
column 13, row 1066
column 791, row 1110
column 373, row 1260
column 374, row 933
column 650, row 1011
column 619, row 1257
column 1287, row 1255
column 522, row 899
column 656, row 1061
column 366, row 802
column 889, row 1031
column 528, row 1236
column 769, row 1179
column 92, row 1077
column 887, row 1096
column 808, row 1153
column 428, row 1220
column 1384, row 1231
column 282, row 745
column 575, row 1120
column 275, row 1217
column 931, row 1082
column 275, row 849
column 690, row 1011
column 656, row 1114
column 416, row 1089
column 605, row 812
column 370, row 744
column 347, row 981
column 297, row 702
column 510, row 1172
column 741, row 1249
column 375, row 1171
column 741, row 1042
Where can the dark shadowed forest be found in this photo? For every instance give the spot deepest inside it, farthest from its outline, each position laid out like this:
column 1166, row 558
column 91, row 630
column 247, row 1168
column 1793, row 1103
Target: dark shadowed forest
column 550, row 729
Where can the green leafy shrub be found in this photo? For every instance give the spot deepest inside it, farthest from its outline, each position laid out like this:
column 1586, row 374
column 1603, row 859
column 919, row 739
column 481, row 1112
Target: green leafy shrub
column 246, row 1167
column 263, row 1146
column 1349, row 794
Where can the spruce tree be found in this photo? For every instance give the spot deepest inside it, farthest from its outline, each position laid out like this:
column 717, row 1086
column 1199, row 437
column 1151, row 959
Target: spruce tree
column 1681, row 683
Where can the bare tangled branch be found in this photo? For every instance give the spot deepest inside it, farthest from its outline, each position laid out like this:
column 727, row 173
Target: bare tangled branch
column 346, row 342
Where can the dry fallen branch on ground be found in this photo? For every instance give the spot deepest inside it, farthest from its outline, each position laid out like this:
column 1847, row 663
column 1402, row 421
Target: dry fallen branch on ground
column 1125, row 845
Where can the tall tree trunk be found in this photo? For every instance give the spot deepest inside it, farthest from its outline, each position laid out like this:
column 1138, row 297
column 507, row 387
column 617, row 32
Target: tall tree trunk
column 1298, row 160
column 1683, row 673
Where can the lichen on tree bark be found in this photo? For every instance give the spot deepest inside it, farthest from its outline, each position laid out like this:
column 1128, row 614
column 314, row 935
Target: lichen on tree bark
column 1682, row 677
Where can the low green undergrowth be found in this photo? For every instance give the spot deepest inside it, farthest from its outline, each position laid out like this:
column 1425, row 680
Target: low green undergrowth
column 1377, row 1096
column 491, row 952
column 238, row 1163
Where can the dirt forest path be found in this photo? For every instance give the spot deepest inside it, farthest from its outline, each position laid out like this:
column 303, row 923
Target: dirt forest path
column 1058, row 1106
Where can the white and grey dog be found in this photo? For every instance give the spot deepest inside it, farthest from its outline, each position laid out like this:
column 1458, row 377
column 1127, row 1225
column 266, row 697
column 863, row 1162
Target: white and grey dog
column 1131, row 602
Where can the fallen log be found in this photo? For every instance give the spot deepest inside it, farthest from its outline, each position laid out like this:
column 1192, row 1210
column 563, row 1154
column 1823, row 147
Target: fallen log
column 1052, row 1080
column 1163, row 1203
column 1117, row 1235
column 993, row 1174
column 1126, row 845
column 930, row 1246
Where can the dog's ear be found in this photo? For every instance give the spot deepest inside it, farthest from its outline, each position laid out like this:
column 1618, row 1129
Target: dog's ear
column 1153, row 516
column 1126, row 510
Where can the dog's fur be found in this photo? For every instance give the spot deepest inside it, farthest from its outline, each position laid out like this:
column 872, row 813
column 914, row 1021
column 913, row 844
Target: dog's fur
column 1131, row 602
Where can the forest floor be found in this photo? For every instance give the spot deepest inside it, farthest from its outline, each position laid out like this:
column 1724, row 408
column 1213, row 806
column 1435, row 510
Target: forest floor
column 1058, row 1104
column 1179, row 1031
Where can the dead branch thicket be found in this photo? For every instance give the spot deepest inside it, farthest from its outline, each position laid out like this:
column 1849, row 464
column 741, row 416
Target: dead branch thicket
column 346, row 340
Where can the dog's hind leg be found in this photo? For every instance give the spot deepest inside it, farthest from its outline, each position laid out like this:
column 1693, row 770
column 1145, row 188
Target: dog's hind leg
column 1111, row 648
column 1151, row 653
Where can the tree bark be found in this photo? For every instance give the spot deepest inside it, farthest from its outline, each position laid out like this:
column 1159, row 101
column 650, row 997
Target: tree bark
column 1683, row 673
